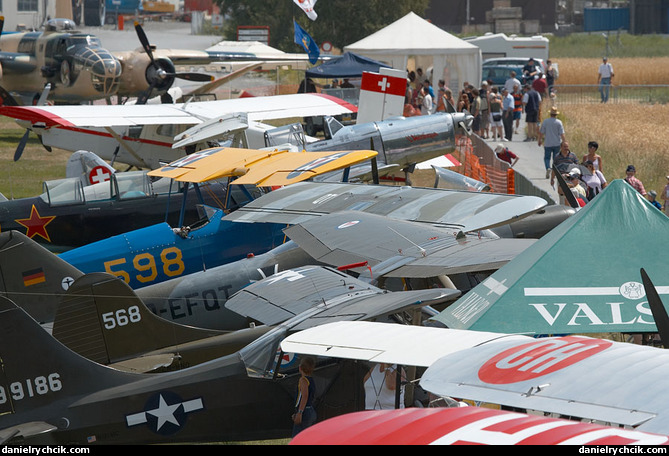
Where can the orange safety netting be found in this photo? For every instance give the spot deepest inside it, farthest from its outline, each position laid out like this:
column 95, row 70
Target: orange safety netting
column 498, row 179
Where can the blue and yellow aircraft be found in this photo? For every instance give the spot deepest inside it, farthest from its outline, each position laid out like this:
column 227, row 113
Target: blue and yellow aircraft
column 160, row 252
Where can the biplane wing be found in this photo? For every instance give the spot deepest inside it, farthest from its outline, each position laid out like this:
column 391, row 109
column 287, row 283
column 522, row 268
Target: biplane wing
column 259, row 167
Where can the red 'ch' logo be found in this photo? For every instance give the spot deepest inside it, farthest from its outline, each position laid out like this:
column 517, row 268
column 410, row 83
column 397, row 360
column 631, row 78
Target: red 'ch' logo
column 539, row 358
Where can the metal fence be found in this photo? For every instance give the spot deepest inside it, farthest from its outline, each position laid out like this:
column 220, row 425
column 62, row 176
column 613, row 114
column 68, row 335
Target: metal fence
column 588, row 94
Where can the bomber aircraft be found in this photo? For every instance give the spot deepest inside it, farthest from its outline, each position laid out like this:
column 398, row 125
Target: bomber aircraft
column 80, row 69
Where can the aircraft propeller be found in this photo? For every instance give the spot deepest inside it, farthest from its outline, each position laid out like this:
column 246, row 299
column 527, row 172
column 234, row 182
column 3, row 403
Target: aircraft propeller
column 24, row 139
column 163, row 73
column 657, row 308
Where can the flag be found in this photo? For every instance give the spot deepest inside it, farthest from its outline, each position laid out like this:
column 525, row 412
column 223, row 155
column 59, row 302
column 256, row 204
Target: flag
column 308, row 7
column 33, row 277
column 303, row 39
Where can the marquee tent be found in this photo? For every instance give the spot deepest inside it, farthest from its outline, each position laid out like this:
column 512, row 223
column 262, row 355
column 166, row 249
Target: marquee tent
column 453, row 60
column 349, row 65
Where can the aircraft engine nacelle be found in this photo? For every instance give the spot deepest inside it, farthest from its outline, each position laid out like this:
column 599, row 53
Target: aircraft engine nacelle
column 139, row 74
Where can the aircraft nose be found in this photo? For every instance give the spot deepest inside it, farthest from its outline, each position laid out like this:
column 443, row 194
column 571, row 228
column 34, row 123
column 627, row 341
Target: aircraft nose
column 105, row 69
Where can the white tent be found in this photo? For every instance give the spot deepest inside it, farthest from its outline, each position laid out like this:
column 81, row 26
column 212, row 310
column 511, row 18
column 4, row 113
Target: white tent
column 452, row 59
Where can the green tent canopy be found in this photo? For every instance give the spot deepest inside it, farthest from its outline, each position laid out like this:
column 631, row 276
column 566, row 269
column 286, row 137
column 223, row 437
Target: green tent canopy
column 582, row 277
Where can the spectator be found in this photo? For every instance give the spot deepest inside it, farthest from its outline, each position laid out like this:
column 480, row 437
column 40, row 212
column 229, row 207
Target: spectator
column 652, row 194
column 504, row 154
column 563, row 159
column 426, row 102
column 551, row 75
column 633, row 180
column 507, row 114
column 540, row 85
column 604, row 76
column 551, row 135
column 463, row 103
column 593, row 156
column 594, row 180
column 346, row 84
column 517, row 107
column 665, row 196
column 532, row 110
column 511, row 81
column 496, row 125
column 485, row 111
column 529, row 71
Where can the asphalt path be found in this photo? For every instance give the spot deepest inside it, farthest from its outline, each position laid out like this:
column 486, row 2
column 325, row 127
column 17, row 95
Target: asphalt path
column 531, row 159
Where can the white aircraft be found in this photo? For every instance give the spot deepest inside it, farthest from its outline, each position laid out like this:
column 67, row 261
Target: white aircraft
column 143, row 135
column 583, row 378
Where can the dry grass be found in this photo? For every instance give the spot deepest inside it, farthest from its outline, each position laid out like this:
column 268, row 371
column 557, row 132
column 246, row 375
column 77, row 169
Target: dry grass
column 628, row 71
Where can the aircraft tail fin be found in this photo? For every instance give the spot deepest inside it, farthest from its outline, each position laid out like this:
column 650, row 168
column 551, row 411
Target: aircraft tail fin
column 87, row 166
column 381, row 95
column 45, row 378
column 30, row 275
column 102, row 319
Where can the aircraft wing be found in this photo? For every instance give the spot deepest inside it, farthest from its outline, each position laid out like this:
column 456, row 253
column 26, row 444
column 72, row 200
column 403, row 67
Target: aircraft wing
column 575, row 376
column 323, row 294
column 398, row 248
column 614, row 382
column 465, row 426
column 466, row 211
column 258, row 109
column 407, row 345
column 259, row 167
column 17, row 63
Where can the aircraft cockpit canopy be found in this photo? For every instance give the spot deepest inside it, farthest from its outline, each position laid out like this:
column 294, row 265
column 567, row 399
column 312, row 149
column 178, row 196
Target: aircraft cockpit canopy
column 83, row 40
column 59, row 25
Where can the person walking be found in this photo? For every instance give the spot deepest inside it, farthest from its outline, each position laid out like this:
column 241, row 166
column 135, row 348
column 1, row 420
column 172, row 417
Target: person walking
column 604, row 76
column 551, row 135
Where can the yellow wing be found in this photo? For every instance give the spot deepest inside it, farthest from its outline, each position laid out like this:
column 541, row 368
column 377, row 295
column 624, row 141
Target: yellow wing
column 259, row 167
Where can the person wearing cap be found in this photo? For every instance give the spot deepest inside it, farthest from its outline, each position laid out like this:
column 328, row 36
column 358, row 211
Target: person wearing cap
column 633, row 180
column 594, row 180
column 652, row 194
column 551, row 134
column 503, row 153
column 604, row 76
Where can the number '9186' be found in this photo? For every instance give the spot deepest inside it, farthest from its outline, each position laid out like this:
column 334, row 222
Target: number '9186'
column 31, row 387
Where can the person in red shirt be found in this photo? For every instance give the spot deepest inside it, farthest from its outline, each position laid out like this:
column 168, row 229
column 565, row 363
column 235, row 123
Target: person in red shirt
column 540, row 85
column 504, row 154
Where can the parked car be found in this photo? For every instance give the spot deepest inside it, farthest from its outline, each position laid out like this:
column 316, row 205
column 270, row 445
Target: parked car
column 515, row 61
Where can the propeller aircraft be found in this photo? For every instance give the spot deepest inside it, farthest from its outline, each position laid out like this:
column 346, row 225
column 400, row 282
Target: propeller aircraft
column 245, row 395
column 81, row 70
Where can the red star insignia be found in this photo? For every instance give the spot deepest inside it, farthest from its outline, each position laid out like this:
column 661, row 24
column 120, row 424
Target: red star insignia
column 36, row 225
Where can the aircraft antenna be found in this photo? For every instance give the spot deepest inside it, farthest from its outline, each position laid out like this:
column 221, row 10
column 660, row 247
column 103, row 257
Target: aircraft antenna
column 420, row 249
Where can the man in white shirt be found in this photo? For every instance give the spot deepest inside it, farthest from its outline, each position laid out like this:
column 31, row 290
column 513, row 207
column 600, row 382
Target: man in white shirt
column 604, row 79
column 511, row 81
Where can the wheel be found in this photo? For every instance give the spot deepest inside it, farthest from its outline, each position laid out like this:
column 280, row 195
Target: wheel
column 95, row 12
column 65, row 73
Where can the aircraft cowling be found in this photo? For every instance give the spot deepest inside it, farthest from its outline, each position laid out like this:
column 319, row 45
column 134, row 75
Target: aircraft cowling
column 159, row 76
column 400, row 140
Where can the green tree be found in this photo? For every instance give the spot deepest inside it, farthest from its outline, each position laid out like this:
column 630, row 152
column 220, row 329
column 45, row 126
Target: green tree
column 341, row 22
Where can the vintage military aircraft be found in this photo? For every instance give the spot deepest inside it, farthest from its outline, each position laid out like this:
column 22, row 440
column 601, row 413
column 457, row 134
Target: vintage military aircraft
column 465, row 426
column 155, row 254
column 80, row 69
column 70, row 214
column 58, row 396
column 160, row 252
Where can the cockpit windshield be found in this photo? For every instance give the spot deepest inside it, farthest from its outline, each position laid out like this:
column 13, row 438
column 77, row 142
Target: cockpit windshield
column 83, row 40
